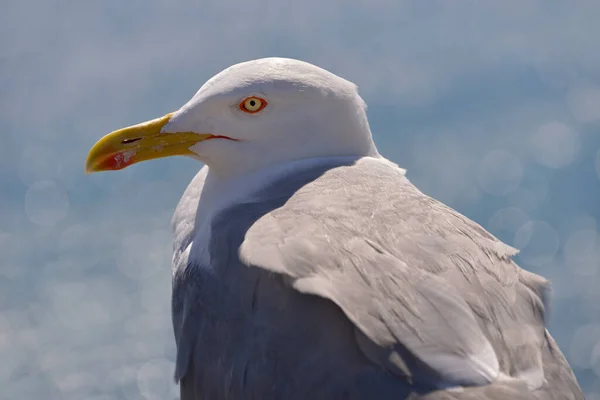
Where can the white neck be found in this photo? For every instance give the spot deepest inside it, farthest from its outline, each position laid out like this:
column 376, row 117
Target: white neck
column 200, row 205
column 219, row 193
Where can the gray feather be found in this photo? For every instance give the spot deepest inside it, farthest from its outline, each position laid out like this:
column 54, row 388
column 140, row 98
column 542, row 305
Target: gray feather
column 347, row 282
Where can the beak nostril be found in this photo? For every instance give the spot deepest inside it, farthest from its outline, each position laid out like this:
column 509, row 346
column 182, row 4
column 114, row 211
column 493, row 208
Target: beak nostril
column 132, row 140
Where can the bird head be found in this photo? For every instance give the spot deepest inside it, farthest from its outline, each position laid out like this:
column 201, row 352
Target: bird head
column 251, row 115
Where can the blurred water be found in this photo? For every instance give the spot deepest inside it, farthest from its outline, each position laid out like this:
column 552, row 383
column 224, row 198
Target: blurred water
column 493, row 107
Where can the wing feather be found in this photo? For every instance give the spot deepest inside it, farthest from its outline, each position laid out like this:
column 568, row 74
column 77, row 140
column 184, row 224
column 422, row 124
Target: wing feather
column 411, row 274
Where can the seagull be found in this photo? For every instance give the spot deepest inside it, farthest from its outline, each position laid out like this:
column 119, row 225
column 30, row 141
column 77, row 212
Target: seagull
column 307, row 266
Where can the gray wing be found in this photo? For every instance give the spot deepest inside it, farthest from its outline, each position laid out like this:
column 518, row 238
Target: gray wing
column 347, row 282
column 434, row 298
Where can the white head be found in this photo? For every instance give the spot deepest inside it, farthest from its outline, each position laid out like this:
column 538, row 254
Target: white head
column 251, row 115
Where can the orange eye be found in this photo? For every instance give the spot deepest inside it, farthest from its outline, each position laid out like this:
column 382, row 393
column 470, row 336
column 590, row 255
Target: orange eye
column 253, row 105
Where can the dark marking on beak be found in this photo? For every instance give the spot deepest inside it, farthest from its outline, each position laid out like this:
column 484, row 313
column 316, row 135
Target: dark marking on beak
column 132, row 140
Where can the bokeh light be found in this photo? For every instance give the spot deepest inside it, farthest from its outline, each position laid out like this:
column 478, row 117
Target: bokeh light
column 538, row 242
column 492, row 107
column 582, row 252
column 584, row 102
column 555, row 145
column 500, row 173
column 155, row 379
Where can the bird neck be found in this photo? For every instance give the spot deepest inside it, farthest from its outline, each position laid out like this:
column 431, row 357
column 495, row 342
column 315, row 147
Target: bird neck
column 221, row 192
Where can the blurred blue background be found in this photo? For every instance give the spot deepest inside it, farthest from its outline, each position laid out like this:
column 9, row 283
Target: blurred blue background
column 493, row 107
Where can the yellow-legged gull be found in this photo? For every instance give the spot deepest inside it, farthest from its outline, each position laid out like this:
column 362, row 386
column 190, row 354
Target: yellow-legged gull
column 307, row 266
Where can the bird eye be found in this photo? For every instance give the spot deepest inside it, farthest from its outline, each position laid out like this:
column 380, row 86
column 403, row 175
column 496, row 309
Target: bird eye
column 253, row 104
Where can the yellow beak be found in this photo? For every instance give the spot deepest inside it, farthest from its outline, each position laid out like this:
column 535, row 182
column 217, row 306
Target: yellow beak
column 140, row 142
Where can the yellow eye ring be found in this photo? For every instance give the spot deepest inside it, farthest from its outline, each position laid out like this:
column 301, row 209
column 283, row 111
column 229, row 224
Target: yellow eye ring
column 253, row 104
